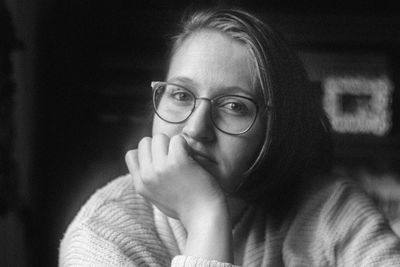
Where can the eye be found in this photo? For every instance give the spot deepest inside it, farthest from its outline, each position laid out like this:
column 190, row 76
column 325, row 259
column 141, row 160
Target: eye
column 178, row 95
column 234, row 107
column 181, row 96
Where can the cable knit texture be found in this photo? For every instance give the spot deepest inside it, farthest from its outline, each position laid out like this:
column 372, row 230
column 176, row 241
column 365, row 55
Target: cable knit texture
column 337, row 226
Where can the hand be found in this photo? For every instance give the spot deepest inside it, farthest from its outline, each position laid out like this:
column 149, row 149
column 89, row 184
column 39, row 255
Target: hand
column 166, row 175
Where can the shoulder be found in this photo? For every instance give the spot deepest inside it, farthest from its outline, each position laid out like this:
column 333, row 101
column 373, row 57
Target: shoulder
column 336, row 191
column 337, row 200
column 117, row 198
column 117, row 205
column 338, row 223
column 113, row 225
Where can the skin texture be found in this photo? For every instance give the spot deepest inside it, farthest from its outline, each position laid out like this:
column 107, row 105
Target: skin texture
column 211, row 64
column 186, row 169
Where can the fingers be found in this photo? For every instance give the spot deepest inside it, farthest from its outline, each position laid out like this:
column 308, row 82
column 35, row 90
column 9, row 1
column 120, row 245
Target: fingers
column 152, row 155
column 144, row 155
column 178, row 147
column 159, row 148
column 131, row 159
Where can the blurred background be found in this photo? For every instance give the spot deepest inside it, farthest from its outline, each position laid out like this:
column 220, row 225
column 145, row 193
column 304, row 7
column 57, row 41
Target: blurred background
column 75, row 86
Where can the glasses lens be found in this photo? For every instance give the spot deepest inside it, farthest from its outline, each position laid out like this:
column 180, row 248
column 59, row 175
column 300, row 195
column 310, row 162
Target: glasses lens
column 173, row 103
column 234, row 114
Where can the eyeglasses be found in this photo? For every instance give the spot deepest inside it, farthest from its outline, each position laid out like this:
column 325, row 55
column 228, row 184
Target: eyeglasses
column 231, row 114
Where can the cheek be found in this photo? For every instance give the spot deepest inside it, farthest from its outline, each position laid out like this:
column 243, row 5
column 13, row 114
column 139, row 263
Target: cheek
column 239, row 152
column 239, row 155
column 160, row 126
column 236, row 157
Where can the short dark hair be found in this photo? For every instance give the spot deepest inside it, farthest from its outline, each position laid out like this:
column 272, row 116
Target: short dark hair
column 297, row 138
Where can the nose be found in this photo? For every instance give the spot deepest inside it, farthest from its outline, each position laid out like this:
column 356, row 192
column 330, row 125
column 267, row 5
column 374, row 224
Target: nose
column 199, row 125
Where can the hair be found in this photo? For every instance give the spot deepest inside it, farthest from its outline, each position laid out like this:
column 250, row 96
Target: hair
column 297, row 136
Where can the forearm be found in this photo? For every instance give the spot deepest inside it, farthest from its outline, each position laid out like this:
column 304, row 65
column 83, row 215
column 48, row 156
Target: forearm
column 210, row 235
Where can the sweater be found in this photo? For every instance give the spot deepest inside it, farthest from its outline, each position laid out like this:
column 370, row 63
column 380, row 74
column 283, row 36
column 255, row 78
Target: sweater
column 337, row 225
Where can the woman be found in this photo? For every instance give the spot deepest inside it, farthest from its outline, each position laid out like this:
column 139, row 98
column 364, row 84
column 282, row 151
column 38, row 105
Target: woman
column 234, row 171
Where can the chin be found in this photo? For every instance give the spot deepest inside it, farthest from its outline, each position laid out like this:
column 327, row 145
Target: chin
column 229, row 182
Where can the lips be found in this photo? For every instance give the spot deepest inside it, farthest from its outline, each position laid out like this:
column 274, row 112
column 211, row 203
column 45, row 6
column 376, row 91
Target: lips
column 200, row 156
column 198, row 153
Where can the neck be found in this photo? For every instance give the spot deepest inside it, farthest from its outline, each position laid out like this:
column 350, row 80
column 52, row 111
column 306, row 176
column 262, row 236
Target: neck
column 236, row 208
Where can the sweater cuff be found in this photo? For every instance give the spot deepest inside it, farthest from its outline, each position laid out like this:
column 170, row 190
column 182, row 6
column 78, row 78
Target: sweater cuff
column 190, row 261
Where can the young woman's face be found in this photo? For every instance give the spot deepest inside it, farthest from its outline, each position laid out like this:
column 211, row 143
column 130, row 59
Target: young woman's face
column 211, row 64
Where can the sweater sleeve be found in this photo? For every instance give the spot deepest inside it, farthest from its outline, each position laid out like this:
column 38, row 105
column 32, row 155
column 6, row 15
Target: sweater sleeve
column 340, row 226
column 189, row 261
column 117, row 227
column 114, row 228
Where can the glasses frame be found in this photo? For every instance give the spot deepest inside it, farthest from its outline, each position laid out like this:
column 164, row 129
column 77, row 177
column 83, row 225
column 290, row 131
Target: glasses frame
column 155, row 85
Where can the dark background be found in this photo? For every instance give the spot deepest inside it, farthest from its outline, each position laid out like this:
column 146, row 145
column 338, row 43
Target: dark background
column 85, row 80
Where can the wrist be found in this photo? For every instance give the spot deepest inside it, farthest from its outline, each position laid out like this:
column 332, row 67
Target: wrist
column 206, row 214
column 210, row 234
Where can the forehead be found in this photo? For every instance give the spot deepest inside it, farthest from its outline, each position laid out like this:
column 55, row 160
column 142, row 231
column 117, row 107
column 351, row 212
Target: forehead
column 212, row 59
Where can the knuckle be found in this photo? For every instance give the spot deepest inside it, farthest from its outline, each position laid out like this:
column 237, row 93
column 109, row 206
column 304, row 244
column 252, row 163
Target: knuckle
column 178, row 141
column 160, row 137
column 174, row 141
column 127, row 156
column 175, row 138
column 144, row 141
column 162, row 169
column 130, row 156
column 146, row 178
column 150, row 178
column 174, row 163
column 159, row 170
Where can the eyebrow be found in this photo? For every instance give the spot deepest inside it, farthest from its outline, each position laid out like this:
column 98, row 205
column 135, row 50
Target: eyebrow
column 183, row 80
column 223, row 90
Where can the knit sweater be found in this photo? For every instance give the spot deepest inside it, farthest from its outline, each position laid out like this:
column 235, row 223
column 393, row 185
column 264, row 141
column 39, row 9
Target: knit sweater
column 337, row 225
